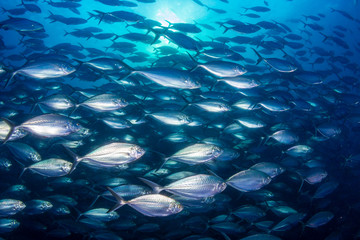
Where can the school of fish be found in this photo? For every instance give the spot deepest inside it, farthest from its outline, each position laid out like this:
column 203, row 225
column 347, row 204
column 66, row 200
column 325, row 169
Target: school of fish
column 235, row 128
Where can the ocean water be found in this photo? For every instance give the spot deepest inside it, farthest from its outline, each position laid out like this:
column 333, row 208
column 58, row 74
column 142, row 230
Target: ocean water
column 182, row 119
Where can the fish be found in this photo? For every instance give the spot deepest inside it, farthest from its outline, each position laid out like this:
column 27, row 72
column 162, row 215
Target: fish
column 197, row 186
column 9, row 207
column 44, row 70
column 21, row 25
column 151, row 205
column 248, row 180
column 112, row 154
column 196, row 154
column 52, row 167
column 48, row 126
column 277, row 64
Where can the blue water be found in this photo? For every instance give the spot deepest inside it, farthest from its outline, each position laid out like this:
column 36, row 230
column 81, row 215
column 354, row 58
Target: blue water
column 320, row 38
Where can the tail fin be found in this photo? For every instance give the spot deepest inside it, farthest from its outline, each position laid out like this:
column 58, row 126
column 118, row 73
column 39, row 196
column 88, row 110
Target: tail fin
column 9, row 80
column 12, row 128
column 155, row 187
column 325, row 36
column 102, row 15
column 226, row 29
column 157, row 36
column 168, row 23
column 120, row 201
column 76, row 158
column 260, row 58
column 305, row 24
column 193, row 59
column 36, row 103
column 22, row 172
column 95, row 200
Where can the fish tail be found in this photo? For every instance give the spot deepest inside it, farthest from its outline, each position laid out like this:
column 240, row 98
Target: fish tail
column 76, row 158
column 163, row 163
column 302, row 182
column 91, row 15
column 11, row 131
column 186, row 105
column 22, row 172
column 226, row 29
column 157, row 36
column 193, row 59
column 11, row 78
column 266, row 140
column 260, row 58
column 305, row 24
column 36, row 103
column 95, row 200
column 325, row 36
column 120, row 201
column 154, row 186
column 168, row 23
column 74, row 109
column 102, row 16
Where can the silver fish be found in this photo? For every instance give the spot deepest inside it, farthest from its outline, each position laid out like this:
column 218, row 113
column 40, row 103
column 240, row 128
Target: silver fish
column 248, row 180
column 152, row 205
column 168, row 77
column 24, row 153
column 52, row 167
column 104, row 103
column 9, row 207
column 44, row 70
column 197, row 186
column 50, row 125
column 112, row 154
column 196, row 154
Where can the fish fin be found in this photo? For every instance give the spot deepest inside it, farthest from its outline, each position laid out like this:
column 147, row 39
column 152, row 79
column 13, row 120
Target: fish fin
column 74, row 109
column 9, row 80
column 102, row 15
column 302, row 182
column 305, row 24
column 120, row 201
column 77, row 219
column 76, row 158
column 162, row 165
column 12, row 128
column 155, row 187
column 93, row 202
column 193, row 59
column 226, row 29
column 325, row 37
column 260, row 58
column 22, row 172
column 168, row 23
column 226, row 237
column 157, row 36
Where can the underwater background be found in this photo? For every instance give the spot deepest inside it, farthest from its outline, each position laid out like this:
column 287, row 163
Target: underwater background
column 208, row 119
